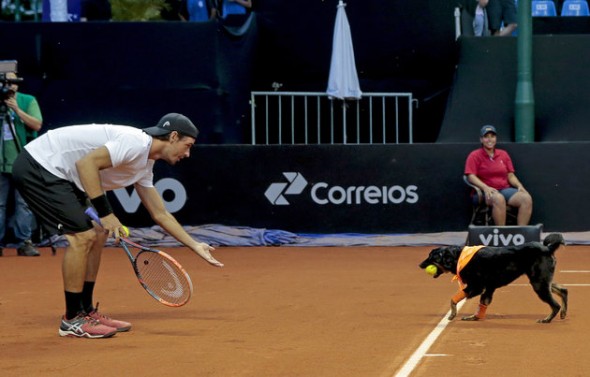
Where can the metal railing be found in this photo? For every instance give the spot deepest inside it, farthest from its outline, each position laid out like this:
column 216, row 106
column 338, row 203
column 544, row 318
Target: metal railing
column 314, row 118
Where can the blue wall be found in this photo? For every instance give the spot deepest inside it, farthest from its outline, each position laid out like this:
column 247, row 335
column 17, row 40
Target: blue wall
column 485, row 88
column 125, row 72
column 425, row 190
column 133, row 73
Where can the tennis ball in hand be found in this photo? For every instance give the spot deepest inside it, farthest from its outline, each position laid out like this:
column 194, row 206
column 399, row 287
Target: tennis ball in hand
column 126, row 233
column 431, row 270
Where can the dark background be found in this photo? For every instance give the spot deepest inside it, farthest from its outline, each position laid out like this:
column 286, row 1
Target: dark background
column 133, row 73
column 225, row 184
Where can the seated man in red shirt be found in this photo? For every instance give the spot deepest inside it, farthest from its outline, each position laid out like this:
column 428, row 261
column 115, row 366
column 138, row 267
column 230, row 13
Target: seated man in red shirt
column 492, row 171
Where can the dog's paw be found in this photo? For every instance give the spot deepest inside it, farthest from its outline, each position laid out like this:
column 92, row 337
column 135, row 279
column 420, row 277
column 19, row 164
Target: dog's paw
column 453, row 313
column 472, row 317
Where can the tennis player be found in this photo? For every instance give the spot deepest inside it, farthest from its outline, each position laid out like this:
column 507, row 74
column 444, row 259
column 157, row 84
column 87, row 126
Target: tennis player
column 61, row 171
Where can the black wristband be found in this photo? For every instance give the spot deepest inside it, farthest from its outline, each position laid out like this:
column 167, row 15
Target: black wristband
column 101, row 205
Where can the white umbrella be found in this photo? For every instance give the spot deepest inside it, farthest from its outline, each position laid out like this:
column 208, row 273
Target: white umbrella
column 343, row 82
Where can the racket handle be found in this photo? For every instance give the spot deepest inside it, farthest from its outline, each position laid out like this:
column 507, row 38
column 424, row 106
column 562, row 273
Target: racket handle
column 91, row 212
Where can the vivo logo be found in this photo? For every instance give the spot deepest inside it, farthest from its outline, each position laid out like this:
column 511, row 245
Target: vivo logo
column 131, row 202
column 498, row 239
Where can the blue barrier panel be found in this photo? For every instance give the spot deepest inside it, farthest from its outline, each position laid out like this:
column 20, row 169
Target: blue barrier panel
column 357, row 188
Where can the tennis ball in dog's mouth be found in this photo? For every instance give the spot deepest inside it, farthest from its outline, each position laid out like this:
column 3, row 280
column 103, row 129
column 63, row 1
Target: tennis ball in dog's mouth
column 431, row 270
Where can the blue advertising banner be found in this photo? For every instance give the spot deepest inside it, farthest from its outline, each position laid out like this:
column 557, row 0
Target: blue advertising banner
column 357, row 188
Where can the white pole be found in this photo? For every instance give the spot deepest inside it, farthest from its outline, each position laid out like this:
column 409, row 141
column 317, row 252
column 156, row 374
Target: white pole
column 344, row 121
column 457, row 23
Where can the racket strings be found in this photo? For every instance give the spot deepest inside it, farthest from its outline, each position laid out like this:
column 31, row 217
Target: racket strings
column 164, row 277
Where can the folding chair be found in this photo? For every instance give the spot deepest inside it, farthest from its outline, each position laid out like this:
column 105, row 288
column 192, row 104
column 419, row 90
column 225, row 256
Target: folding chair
column 482, row 213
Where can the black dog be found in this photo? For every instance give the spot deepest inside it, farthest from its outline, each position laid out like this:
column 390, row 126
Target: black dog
column 489, row 268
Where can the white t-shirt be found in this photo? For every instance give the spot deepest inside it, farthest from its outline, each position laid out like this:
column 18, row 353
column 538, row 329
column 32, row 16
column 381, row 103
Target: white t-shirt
column 58, row 150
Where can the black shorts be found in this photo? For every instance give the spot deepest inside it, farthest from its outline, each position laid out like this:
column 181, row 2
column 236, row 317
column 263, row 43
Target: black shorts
column 58, row 204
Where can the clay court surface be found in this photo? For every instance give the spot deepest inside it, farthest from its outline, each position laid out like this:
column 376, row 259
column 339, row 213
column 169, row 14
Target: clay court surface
column 290, row 311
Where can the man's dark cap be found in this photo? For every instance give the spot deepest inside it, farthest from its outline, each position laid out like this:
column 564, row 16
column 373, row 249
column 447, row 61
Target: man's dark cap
column 173, row 122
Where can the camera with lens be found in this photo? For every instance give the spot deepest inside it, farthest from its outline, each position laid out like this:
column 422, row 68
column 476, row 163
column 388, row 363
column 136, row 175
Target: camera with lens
column 6, row 91
column 7, row 66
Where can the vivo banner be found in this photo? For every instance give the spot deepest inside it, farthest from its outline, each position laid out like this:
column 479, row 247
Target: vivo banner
column 355, row 188
column 503, row 236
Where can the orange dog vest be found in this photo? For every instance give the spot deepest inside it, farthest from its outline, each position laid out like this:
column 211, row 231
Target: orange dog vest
column 466, row 254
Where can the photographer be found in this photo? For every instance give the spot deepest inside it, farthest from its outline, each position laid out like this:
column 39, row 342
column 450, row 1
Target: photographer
column 22, row 110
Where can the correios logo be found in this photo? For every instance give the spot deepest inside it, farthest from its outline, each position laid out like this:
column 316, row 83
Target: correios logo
column 323, row 193
column 276, row 191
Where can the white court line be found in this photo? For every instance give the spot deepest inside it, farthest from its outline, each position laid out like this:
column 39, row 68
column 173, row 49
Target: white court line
column 575, row 271
column 420, row 352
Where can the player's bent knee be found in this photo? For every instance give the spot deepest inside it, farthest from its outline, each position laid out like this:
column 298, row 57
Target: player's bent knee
column 83, row 239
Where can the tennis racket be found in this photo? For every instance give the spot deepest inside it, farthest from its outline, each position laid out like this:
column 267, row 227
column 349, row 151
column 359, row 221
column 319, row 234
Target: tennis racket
column 158, row 273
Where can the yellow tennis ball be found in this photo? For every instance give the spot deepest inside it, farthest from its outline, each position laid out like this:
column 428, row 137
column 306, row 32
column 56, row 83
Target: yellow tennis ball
column 431, row 270
column 125, row 231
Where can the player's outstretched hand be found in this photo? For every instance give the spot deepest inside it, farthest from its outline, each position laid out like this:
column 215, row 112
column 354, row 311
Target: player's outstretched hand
column 204, row 252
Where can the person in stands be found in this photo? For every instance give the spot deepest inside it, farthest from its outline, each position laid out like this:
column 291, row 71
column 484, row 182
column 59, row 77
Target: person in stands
column 491, row 169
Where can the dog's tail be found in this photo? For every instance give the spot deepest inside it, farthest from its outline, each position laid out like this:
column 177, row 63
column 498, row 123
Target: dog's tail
column 553, row 241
